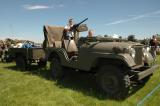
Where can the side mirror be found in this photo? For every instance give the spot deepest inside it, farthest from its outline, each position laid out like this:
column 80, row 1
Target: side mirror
column 82, row 28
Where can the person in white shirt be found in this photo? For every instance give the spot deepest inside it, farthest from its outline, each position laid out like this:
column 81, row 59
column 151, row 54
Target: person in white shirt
column 68, row 32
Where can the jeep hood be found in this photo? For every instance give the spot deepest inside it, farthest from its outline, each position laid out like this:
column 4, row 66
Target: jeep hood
column 109, row 46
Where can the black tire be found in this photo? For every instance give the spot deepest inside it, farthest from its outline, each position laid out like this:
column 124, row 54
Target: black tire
column 113, row 81
column 42, row 62
column 56, row 69
column 21, row 62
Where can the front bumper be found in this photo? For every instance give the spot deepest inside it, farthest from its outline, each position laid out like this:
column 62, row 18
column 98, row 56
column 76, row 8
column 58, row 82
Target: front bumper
column 142, row 74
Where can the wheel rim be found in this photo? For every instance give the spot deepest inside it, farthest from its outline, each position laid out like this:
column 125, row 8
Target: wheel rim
column 55, row 67
column 110, row 84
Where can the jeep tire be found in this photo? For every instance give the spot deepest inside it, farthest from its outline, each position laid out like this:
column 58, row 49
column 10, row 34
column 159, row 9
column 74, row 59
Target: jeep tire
column 113, row 81
column 56, row 69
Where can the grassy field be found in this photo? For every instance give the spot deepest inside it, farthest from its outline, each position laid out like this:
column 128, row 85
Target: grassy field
column 36, row 87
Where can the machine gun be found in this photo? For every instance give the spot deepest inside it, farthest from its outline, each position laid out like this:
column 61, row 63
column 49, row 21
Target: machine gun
column 75, row 26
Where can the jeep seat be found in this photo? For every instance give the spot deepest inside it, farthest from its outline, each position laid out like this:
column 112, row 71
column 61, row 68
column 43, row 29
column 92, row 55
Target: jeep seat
column 70, row 46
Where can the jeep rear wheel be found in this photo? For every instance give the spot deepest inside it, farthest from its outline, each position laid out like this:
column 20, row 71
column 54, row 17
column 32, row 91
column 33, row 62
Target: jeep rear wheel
column 113, row 81
column 20, row 62
column 56, row 68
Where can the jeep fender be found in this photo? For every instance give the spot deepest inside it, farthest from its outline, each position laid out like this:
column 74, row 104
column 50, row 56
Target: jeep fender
column 94, row 60
column 59, row 53
column 122, row 60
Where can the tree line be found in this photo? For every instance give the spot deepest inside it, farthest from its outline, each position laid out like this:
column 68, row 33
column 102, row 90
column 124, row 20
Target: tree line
column 9, row 41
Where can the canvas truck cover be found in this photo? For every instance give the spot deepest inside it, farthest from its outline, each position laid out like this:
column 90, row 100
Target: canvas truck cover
column 52, row 36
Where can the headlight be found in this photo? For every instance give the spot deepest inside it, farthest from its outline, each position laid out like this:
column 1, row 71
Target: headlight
column 148, row 49
column 145, row 51
column 146, row 54
column 132, row 52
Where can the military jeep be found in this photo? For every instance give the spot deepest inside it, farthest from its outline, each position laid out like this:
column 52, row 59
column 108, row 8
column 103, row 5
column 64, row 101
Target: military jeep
column 116, row 64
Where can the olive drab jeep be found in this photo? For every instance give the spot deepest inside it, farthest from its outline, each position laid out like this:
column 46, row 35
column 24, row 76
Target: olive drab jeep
column 116, row 64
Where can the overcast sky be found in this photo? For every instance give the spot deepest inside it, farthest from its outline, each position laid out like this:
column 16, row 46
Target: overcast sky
column 24, row 19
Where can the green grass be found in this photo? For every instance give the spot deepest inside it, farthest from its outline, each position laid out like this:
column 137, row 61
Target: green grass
column 35, row 87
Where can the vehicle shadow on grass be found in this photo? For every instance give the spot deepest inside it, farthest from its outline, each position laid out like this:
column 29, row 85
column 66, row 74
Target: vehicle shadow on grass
column 34, row 70
column 78, row 81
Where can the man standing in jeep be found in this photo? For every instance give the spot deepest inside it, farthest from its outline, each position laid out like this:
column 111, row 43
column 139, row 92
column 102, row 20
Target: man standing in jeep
column 68, row 33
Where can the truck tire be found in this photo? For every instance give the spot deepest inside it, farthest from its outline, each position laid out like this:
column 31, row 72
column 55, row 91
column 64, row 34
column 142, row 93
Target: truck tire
column 56, row 69
column 113, row 81
column 21, row 62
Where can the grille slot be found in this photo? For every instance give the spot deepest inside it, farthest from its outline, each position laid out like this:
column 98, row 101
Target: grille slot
column 138, row 55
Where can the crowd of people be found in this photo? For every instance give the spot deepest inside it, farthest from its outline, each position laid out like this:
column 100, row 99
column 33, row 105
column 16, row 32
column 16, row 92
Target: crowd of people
column 4, row 48
column 3, row 51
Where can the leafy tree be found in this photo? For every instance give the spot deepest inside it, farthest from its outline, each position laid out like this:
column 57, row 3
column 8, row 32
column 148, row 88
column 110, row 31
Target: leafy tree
column 105, row 35
column 145, row 41
column 9, row 41
column 131, row 38
column 120, row 37
column 99, row 36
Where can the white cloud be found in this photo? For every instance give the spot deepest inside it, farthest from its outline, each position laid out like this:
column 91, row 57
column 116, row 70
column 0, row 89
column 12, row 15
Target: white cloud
column 115, row 36
column 157, row 12
column 36, row 7
column 40, row 7
column 134, row 18
column 60, row 5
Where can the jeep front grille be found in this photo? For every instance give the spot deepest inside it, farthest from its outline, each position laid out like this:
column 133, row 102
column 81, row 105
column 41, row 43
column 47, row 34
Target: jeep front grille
column 138, row 55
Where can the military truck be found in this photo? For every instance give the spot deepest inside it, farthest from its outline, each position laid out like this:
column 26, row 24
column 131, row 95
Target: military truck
column 116, row 65
column 26, row 56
